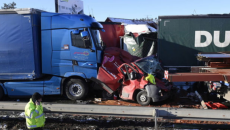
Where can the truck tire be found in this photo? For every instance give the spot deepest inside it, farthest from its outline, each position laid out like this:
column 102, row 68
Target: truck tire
column 142, row 98
column 107, row 95
column 76, row 89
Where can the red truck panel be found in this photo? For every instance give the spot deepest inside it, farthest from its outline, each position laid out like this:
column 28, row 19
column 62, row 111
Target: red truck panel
column 113, row 58
column 111, row 36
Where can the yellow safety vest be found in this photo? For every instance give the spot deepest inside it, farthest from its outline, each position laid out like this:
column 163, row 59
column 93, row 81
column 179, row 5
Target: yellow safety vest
column 34, row 115
column 150, row 78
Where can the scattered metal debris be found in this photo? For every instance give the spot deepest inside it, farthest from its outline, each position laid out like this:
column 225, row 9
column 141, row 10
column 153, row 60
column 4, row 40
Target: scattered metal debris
column 201, row 100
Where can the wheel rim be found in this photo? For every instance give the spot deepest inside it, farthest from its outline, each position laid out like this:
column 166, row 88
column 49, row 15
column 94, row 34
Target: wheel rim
column 75, row 90
column 143, row 98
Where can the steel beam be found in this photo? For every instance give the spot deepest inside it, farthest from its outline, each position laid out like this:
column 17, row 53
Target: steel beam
column 196, row 69
column 219, row 65
column 217, row 56
column 192, row 77
column 220, row 71
column 126, row 111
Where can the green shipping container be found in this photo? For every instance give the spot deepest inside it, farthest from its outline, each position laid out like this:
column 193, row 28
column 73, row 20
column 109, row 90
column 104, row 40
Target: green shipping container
column 181, row 38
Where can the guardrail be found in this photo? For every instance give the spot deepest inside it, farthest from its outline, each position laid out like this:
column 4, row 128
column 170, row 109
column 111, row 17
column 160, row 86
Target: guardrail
column 126, row 111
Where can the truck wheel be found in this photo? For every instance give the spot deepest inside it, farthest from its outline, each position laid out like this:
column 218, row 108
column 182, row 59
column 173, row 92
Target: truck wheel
column 76, row 89
column 107, row 95
column 142, row 98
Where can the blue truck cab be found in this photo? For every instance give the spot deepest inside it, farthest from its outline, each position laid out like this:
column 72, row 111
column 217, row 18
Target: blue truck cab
column 49, row 53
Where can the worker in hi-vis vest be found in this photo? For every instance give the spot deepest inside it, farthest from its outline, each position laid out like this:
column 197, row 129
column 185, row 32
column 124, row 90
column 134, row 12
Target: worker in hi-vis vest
column 150, row 78
column 35, row 118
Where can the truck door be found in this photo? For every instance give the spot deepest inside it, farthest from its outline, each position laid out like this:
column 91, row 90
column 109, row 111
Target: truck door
column 84, row 56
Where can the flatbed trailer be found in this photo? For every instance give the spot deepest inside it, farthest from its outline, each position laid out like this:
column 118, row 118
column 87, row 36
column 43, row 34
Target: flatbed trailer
column 215, row 74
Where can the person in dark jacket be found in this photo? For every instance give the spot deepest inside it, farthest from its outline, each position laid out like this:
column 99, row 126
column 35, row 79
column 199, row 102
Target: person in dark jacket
column 35, row 118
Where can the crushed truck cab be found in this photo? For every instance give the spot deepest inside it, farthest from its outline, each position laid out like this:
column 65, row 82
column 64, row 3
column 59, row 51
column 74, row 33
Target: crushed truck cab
column 122, row 74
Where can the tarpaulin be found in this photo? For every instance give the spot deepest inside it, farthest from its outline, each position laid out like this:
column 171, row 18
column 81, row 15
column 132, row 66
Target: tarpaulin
column 140, row 28
column 140, row 45
column 181, row 38
column 19, row 46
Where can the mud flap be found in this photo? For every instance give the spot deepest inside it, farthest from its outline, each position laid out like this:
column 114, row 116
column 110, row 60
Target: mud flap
column 103, row 85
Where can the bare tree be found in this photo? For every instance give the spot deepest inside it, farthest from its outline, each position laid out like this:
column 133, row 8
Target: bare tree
column 9, row 6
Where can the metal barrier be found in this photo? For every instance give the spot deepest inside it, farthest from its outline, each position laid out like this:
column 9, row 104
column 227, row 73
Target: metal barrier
column 126, row 111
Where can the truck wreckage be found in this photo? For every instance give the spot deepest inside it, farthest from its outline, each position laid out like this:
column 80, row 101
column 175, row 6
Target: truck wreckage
column 130, row 79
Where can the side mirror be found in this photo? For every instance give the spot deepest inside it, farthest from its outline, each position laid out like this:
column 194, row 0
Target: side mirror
column 76, row 32
column 84, row 34
column 103, row 30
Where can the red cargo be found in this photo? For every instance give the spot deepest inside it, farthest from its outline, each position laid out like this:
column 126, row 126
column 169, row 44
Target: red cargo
column 111, row 36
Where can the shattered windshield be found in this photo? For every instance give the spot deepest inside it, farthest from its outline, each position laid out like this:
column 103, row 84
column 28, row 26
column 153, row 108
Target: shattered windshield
column 96, row 37
column 149, row 65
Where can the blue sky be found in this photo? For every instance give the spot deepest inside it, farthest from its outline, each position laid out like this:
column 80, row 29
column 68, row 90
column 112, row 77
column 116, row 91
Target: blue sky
column 130, row 9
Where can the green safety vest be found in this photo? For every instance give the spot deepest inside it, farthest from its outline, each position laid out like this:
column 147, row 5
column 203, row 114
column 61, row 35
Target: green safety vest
column 150, row 78
column 34, row 115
